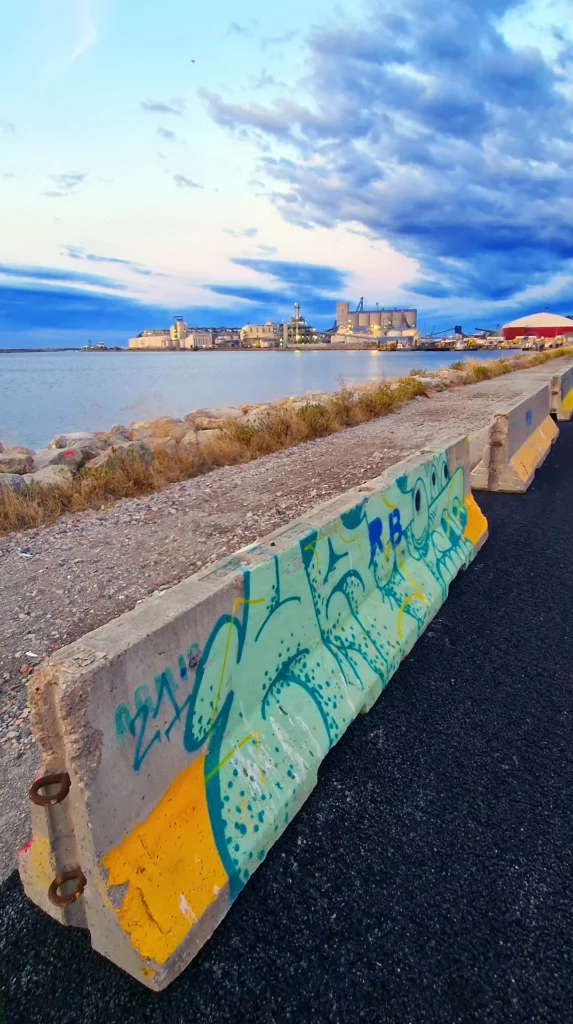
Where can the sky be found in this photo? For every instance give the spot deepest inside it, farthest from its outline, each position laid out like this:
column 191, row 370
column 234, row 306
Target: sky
column 222, row 161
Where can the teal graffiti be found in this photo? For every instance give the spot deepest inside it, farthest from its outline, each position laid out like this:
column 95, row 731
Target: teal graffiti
column 312, row 639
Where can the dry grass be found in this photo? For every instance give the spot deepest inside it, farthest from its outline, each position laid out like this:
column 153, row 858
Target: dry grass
column 127, row 476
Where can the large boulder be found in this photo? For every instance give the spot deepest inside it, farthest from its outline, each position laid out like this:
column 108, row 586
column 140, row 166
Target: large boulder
column 258, row 414
column 71, row 457
column 16, row 460
column 123, row 452
column 230, row 412
column 168, row 426
column 164, row 444
column 81, row 439
column 206, row 423
column 50, row 476
column 117, row 434
column 11, row 482
column 196, row 439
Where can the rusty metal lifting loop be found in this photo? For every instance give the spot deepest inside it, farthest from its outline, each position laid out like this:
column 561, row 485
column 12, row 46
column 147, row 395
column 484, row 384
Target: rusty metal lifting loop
column 62, row 779
column 64, row 901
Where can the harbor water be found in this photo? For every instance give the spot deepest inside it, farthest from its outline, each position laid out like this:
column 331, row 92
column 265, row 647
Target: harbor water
column 44, row 393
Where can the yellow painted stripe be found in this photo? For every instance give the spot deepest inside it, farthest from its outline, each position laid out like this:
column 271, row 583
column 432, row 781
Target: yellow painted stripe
column 529, row 456
column 566, row 409
column 476, row 524
column 171, row 866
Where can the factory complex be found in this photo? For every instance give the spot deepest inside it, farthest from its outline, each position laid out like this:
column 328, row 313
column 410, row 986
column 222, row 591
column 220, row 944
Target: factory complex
column 377, row 327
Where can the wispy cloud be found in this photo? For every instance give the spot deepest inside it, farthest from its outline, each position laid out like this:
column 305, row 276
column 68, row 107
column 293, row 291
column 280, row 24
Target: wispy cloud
column 241, row 232
column 7, row 127
column 87, row 28
column 66, row 184
column 52, row 274
column 235, row 29
column 267, row 250
column 182, row 182
column 77, row 253
column 176, row 105
column 263, row 80
column 167, row 134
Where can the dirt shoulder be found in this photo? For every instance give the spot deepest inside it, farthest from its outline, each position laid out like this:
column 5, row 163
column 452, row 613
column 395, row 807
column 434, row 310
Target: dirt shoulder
column 63, row 580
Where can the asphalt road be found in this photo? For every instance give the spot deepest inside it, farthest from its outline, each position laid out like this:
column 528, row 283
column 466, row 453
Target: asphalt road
column 429, row 876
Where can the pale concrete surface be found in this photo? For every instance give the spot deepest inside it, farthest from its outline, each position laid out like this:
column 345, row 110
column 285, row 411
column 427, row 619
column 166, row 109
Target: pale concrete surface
column 84, row 570
column 518, row 442
column 226, row 694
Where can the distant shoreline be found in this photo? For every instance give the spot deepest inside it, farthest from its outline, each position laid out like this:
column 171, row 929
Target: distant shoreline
column 300, row 348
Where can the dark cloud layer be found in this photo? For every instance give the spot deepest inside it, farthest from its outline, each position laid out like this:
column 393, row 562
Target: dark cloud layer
column 312, row 285
column 428, row 128
column 49, row 274
column 37, row 299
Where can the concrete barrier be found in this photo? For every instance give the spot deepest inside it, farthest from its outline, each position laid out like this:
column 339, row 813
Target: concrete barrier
column 519, row 439
column 180, row 739
column 562, row 394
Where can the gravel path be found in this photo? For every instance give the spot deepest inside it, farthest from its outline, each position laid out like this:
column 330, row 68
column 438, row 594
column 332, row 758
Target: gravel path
column 427, row 879
column 63, row 580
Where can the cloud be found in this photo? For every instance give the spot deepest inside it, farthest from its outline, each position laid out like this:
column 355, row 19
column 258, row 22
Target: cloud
column 182, row 182
column 7, row 127
column 87, row 28
column 51, row 274
column 66, row 184
column 241, row 232
column 235, row 29
column 36, row 315
column 427, row 128
column 176, row 105
column 307, row 283
column 166, row 133
column 267, row 250
column 263, row 80
column 298, row 275
column 76, row 253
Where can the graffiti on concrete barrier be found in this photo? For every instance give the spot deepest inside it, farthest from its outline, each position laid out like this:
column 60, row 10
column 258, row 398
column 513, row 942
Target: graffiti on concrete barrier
column 312, row 638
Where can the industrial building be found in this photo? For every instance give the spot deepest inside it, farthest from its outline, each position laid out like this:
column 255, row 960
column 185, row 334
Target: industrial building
column 259, row 332
column 376, row 319
column 178, row 337
column 539, row 325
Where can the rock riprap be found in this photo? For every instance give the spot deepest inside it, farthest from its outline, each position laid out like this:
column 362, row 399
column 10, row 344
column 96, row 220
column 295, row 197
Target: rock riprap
column 71, row 452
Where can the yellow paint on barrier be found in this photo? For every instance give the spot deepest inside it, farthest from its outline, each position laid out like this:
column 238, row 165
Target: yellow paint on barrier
column 171, row 866
column 39, row 864
column 476, row 524
column 526, row 459
column 567, row 405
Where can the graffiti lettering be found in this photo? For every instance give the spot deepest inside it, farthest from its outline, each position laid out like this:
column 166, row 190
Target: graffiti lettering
column 314, row 636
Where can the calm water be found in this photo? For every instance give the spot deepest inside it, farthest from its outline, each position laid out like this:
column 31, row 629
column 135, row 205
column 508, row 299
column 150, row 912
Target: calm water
column 44, row 393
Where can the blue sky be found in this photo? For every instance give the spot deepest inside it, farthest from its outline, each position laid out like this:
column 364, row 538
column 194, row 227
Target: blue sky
column 222, row 161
